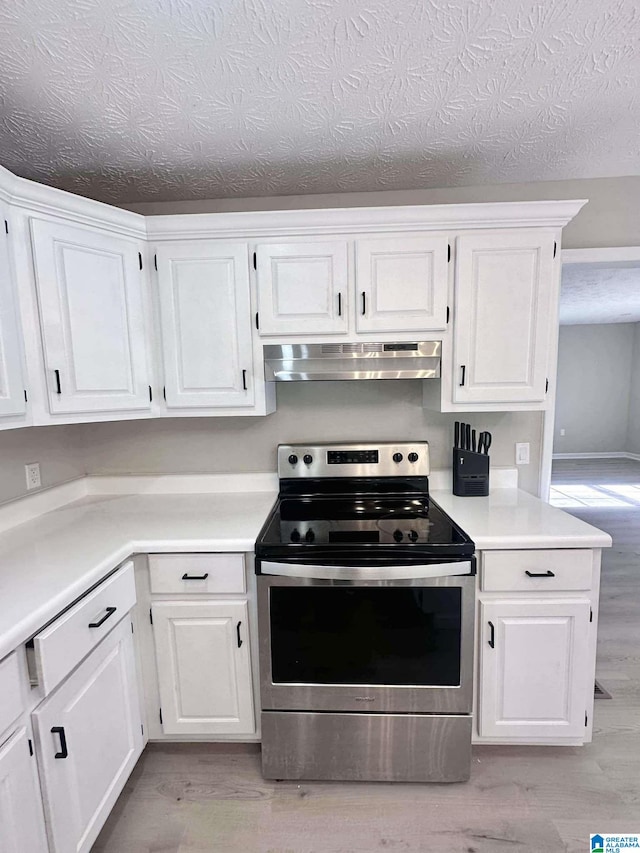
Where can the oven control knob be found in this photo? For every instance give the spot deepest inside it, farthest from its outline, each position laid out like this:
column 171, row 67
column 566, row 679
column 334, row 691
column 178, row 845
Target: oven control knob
column 397, row 457
column 295, row 535
column 398, row 535
column 307, row 459
column 309, row 536
column 293, row 459
column 413, row 536
column 412, row 457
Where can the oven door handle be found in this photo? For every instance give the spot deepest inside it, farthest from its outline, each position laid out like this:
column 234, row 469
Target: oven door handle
column 366, row 573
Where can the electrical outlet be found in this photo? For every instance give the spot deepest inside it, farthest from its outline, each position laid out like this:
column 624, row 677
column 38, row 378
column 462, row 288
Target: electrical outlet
column 563, row 432
column 522, row 453
column 32, row 470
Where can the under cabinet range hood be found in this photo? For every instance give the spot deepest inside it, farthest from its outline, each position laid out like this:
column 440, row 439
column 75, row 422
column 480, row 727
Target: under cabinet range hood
column 307, row 362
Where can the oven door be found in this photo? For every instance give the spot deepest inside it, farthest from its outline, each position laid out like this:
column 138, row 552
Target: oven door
column 367, row 644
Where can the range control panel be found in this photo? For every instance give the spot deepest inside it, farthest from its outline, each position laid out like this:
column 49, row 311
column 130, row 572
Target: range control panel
column 387, row 459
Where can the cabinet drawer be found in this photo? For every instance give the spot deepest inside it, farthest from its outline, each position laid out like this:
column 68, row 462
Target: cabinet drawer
column 10, row 693
column 506, row 571
column 197, row 573
column 64, row 643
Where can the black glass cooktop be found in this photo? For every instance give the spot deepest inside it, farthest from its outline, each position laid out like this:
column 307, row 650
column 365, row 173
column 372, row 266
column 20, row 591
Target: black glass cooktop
column 410, row 524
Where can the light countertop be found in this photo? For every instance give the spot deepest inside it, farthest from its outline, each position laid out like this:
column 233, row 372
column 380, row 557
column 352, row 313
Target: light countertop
column 48, row 562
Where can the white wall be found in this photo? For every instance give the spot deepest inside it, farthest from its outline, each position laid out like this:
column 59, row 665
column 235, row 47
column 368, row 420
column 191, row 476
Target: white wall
column 633, row 433
column 594, row 380
column 307, row 411
column 58, row 449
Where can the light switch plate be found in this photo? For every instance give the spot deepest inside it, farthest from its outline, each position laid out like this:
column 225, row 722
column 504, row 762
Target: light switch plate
column 522, row 453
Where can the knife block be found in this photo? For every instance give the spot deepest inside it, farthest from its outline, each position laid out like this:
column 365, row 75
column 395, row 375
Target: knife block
column 470, row 473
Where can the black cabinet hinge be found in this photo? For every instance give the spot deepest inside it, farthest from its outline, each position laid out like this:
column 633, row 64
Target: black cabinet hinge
column 150, row 394
column 160, row 716
column 140, row 259
column 155, row 262
column 26, row 399
column 555, row 248
column 6, row 226
column 546, row 387
column 448, row 312
column 255, row 260
column 151, row 616
column 30, row 746
column 257, row 320
column 448, row 252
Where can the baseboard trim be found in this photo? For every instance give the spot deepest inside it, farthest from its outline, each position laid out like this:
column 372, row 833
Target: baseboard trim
column 618, row 454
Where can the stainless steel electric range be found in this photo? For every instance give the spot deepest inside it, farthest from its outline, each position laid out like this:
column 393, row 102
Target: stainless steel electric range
column 366, row 614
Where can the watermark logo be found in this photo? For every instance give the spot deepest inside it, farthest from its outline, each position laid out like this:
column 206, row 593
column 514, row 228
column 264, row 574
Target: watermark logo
column 609, row 843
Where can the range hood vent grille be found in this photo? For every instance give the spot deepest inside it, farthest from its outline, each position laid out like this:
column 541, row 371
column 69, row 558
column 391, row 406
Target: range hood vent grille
column 361, row 360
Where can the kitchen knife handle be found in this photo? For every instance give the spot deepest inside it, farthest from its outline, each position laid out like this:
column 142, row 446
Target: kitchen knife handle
column 473, row 440
column 463, row 372
column 456, row 434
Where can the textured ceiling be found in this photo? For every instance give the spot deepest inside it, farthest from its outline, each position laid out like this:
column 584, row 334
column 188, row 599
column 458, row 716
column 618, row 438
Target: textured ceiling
column 134, row 100
column 595, row 293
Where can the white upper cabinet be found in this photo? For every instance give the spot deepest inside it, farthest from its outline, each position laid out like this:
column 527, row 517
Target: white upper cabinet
column 503, row 316
column 12, row 396
column 90, row 292
column 402, row 283
column 205, row 313
column 303, row 288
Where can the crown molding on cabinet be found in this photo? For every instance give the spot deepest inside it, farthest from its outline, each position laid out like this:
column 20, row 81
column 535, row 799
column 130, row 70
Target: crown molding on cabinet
column 349, row 220
column 48, row 201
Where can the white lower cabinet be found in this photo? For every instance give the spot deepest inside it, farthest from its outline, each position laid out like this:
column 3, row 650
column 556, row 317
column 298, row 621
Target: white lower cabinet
column 534, row 666
column 204, row 667
column 21, row 819
column 89, row 738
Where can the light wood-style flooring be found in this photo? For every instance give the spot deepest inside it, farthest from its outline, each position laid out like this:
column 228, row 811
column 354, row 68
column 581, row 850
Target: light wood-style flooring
column 200, row 799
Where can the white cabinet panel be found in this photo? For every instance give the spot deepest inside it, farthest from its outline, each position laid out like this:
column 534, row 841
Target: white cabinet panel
column 302, row 288
column 12, row 401
column 532, row 681
column 21, row 819
column 204, row 668
column 89, row 739
column 402, row 283
column 90, row 291
column 503, row 316
column 206, row 323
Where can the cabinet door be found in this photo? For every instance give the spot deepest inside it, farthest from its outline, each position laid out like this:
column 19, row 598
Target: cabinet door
column 12, row 401
column 302, row 288
column 90, row 292
column 503, row 317
column 533, row 668
column 206, row 324
column 21, row 819
column 402, row 283
column 204, row 667
column 89, row 739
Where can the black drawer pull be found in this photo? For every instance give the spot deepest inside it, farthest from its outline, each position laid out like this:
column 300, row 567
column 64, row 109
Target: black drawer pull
column 186, row 577
column 539, row 574
column 58, row 387
column 238, row 633
column 64, row 752
column 110, row 612
column 492, row 636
